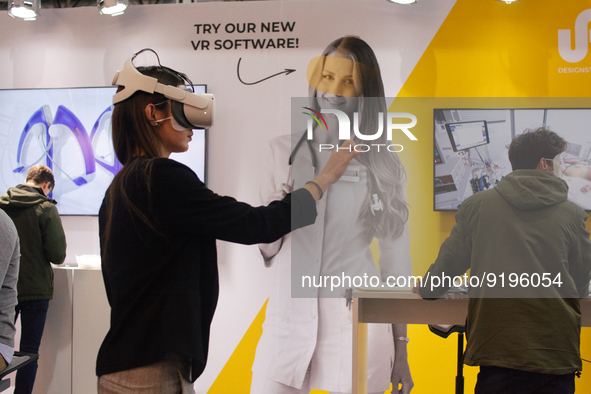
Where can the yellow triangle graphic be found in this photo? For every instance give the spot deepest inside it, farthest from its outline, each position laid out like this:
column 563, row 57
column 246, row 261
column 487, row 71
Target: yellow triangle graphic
column 236, row 375
column 492, row 49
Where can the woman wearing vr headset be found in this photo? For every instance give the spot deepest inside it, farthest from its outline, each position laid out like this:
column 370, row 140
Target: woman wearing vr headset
column 158, row 225
column 306, row 342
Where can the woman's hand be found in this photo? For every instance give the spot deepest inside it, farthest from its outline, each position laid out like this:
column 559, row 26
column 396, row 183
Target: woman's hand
column 333, row 170
column 401, row 371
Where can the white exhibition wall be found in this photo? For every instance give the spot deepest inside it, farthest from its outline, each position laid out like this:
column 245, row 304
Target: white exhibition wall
column 78, row 47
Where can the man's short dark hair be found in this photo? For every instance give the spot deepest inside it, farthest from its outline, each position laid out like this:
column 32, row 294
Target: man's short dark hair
column 39, row 174
column 527, row 149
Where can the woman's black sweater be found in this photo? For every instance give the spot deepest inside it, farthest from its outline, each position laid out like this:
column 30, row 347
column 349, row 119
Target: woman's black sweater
column 162, row 282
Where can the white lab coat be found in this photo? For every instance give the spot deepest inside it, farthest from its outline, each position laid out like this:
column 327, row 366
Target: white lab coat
column 317, row 332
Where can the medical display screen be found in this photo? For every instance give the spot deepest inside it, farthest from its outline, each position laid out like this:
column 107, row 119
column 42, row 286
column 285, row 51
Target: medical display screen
column 471, row 149
column 69, row 130
column 466, row 135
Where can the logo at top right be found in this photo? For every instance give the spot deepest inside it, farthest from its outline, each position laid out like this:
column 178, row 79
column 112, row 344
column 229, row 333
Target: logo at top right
column 565, row 48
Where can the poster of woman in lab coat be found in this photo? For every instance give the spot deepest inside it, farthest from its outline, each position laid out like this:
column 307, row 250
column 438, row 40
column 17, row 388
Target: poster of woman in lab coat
column 307, row 334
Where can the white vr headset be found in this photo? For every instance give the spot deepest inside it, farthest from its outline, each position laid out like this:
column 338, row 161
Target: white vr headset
column 190, row 110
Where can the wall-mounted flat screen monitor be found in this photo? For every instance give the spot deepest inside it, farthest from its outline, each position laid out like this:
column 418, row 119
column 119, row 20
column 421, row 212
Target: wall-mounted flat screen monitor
column 69, row 130
column 471, row 149
column 466, row 135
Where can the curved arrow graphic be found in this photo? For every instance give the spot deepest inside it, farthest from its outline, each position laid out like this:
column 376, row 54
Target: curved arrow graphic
column 286, row 72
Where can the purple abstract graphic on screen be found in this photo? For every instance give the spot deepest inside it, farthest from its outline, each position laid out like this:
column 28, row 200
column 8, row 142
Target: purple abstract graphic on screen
column 69, row 130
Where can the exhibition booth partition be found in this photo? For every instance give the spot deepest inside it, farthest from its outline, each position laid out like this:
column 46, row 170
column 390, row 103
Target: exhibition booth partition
column 461, row 78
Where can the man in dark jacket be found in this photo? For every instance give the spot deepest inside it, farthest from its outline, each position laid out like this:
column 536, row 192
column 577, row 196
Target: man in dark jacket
column 42, row 241
column 9, row 262
column 529, row 249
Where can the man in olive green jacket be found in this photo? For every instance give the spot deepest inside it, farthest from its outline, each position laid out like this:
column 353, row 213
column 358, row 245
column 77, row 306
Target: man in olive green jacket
column 42, row 241
column 529, row 256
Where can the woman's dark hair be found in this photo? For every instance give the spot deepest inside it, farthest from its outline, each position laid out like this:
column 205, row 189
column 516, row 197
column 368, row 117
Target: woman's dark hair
column 136, row 143
column 528, row 148
column 387, row 175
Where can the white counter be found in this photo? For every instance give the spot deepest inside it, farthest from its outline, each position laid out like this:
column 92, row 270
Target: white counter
column 77, row 321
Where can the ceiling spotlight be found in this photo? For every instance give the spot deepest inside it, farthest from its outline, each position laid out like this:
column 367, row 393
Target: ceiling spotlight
column 508, row 1
column 403, row 1
column 112, row 7
column 25, row 9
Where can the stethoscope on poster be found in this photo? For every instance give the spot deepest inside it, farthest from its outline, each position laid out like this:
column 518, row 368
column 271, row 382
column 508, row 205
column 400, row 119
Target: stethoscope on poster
column 47, row 132
column 376, row 205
